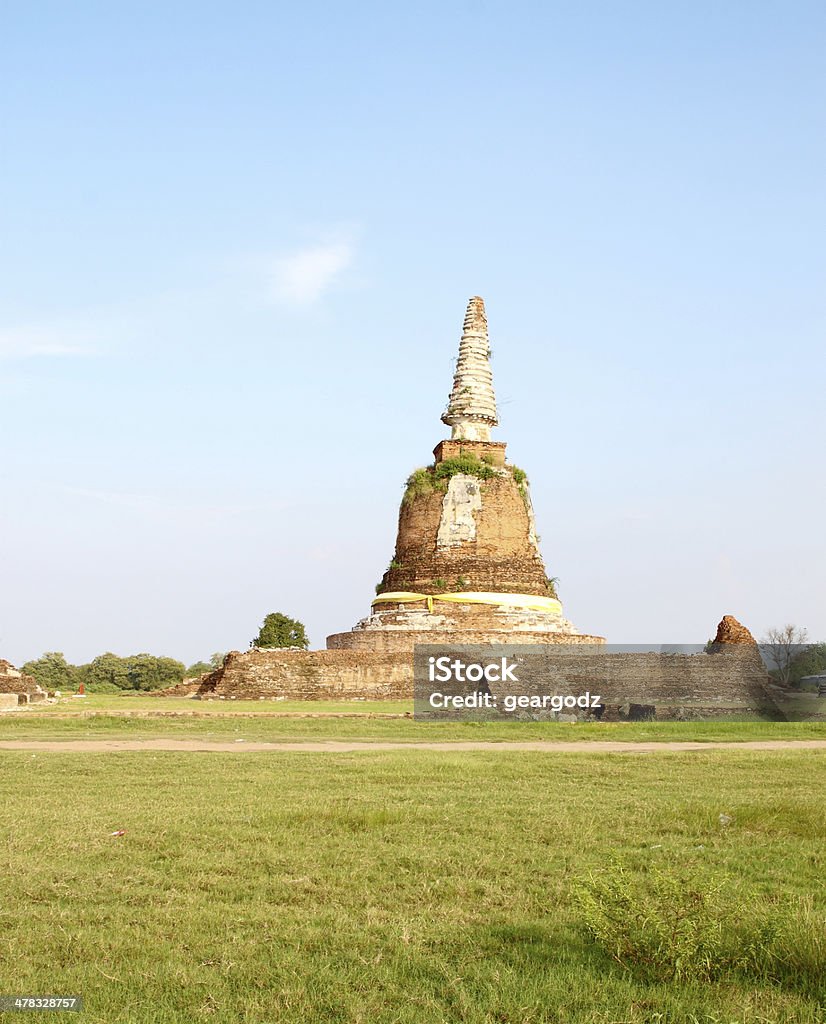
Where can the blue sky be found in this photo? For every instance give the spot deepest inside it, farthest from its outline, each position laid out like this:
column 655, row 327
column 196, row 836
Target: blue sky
column 236, row 244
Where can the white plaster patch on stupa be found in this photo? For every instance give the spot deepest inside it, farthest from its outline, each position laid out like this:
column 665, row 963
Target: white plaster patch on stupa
column 533, row 537
column 458, row 523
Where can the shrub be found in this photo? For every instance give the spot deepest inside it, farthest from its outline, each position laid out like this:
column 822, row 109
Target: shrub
column 670, row 927
column 468, row 464
column 100, row 687
column 435, row 478
column 521, row 480
column 667, row 929
column 419, row 483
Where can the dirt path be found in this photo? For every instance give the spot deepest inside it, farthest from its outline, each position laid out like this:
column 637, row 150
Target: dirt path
column 348, row 747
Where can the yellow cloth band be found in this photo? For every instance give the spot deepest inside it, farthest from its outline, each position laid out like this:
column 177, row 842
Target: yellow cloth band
column 532, row 602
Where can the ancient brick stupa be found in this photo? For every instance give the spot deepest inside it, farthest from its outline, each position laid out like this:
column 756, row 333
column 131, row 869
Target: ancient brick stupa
column 467, row 563
column 467, row 569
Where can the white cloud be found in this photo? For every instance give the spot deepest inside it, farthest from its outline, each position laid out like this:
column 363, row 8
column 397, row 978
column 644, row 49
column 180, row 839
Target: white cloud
column 33, row 341
column 303, row 277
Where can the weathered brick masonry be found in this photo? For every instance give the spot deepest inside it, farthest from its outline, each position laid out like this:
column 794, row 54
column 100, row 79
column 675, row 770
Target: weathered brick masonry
column 25, row 688
column 502, row 556
column 731, row 677
column 311, row 675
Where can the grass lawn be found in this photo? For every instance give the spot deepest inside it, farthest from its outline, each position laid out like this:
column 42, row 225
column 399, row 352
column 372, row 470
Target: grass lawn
column 138, row 703
column 125, row 717
column 401, row 887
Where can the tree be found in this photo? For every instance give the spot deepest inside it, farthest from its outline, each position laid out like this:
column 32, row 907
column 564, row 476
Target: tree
column 280, row 631
column 52, row 671
column 148, row 672
column 216, row 660
column 106, row 671
column 780, row 647
column 811, row 661
column 198, row 669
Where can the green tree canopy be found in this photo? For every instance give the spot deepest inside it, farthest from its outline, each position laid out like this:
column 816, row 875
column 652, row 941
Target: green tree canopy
column 52, row 671
column 149, row 672
column 279, row 630
column 106, row 670
column 109, row 673
column 809, row 662
column 198, row 669
column 215, row 661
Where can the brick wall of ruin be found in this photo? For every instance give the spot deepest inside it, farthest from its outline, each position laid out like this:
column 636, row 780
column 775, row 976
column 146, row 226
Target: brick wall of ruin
column 492, row 452
column 736, row 677
column 311, row 675
column 12, row 680
column 730, row 675
column 500, row 559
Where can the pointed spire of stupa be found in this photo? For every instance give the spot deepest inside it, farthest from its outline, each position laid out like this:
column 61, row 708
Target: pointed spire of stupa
column 471, row 409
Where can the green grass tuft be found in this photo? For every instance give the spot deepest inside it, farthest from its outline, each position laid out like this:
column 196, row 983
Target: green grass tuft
column 419, row 483
column 436, row 477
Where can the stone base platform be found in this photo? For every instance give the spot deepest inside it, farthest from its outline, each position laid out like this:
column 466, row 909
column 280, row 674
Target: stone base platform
column 400, row 627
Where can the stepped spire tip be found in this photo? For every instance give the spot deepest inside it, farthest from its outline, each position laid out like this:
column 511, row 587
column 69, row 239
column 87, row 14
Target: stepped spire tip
column 471, row 409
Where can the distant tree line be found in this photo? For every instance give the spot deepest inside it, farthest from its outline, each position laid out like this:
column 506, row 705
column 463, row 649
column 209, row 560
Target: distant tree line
column 790, row 655
column 811, row 662
column 109, row 673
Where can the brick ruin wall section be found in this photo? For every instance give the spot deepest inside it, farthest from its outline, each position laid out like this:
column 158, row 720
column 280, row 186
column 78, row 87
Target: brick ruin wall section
column 311, row 675
column 501, row 559
column 729, row 676
column 492, row 452
column 12, row 680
